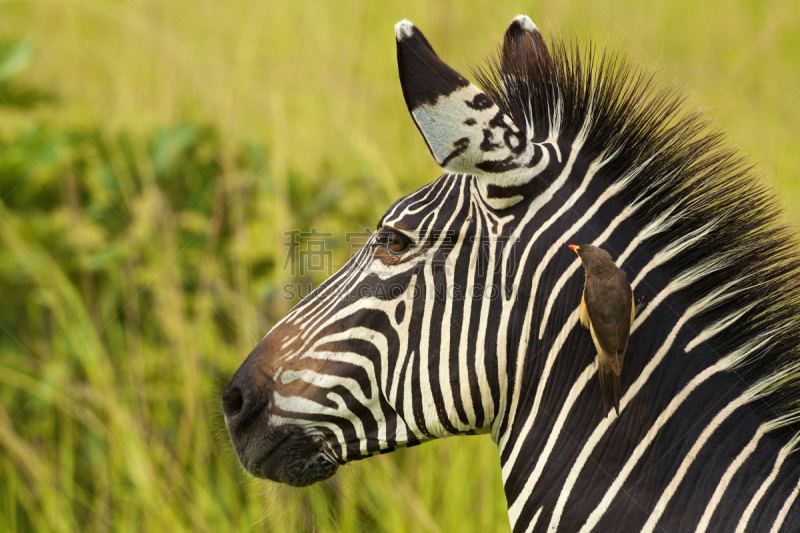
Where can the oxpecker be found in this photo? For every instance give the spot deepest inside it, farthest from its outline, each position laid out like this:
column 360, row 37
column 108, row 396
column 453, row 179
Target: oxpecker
column 607, row 311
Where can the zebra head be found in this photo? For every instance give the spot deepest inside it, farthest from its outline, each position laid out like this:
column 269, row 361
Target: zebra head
column 401, row 345
column 460, row 315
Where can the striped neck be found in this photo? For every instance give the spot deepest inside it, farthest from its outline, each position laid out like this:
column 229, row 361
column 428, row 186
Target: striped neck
column 693, row 446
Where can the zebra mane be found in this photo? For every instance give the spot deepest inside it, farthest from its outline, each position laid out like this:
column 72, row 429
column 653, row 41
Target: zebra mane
column 698, row 192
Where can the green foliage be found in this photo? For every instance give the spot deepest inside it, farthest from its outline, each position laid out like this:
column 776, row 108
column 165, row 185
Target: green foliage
column 144, row 193
column 128, row 269
column 15, row 57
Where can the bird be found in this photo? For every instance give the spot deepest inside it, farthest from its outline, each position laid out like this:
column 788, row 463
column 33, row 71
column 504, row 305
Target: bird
column 607, row 311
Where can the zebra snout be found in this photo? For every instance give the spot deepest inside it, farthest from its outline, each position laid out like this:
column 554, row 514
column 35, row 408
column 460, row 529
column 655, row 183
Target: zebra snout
column 282, row 452
column 245, row 399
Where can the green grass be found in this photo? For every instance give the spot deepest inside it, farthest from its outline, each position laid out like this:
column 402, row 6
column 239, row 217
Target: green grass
column 151, row 156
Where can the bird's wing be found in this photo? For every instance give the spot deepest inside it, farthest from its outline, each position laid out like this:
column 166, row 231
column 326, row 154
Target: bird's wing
column 609, row 309
column 584, row 314
column 633, row 309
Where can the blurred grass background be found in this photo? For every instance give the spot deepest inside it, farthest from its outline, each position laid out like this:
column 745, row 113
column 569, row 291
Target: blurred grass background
column 151, row 156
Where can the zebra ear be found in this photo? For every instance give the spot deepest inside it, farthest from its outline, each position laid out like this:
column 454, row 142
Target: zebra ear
column 521, row 38
column 464, row 129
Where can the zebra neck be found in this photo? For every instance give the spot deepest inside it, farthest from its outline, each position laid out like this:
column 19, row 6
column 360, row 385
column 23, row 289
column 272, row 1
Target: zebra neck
column 689, row 450
column 707, row 465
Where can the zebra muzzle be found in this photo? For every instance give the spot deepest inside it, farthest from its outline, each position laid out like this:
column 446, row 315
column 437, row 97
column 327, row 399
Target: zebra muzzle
column 285, row 453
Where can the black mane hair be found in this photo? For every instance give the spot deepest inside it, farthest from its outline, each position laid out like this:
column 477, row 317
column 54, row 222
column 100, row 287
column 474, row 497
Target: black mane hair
column 685, row 168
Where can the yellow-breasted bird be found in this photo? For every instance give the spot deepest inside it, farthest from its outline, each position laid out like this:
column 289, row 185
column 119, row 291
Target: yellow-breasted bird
column 607, row 311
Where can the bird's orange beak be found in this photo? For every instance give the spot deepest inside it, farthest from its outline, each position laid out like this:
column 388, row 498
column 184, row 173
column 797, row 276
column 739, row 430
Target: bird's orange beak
column 574, row 248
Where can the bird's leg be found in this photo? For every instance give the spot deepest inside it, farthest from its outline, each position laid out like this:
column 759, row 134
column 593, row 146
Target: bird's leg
column 639, row 305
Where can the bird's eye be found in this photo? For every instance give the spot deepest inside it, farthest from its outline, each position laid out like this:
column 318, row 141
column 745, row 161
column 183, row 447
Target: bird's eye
column 396, row 242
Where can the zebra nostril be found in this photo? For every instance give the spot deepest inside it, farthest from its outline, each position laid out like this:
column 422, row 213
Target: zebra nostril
column 232, row 401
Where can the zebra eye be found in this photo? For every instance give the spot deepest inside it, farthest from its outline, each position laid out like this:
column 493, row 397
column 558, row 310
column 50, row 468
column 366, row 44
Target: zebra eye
column 397, row 243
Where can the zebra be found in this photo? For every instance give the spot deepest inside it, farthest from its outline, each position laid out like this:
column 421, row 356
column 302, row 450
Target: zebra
column 460, row 314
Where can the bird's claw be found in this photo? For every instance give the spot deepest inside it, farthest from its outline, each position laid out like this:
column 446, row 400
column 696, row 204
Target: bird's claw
column 639, row 305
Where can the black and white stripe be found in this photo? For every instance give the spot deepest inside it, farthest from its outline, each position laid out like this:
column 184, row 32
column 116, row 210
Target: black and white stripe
column 473, row 328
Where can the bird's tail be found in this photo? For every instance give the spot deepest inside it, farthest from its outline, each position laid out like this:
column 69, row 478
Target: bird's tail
column 609, row 384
